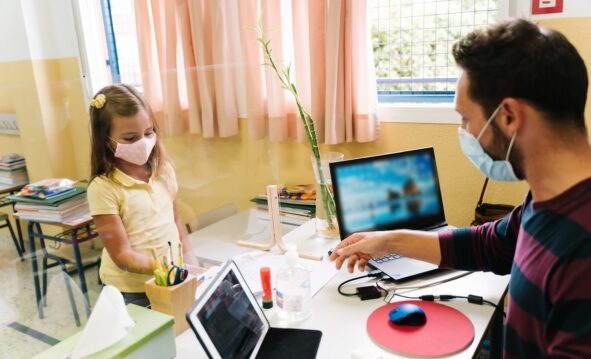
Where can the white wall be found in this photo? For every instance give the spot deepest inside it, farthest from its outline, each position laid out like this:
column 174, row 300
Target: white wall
column 36, row 30
column 50, row 28
column 13, row 41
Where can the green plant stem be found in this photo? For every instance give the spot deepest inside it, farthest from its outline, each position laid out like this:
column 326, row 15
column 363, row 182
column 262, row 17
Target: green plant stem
column 284, row 77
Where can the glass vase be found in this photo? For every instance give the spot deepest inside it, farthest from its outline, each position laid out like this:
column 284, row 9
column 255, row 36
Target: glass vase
column 326, row 218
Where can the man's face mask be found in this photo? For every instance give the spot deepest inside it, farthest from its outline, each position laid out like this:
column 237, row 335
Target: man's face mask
column 493, row 169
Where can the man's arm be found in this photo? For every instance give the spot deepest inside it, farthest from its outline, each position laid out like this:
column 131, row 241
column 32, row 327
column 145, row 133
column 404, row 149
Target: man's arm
column 489, row 247
column 359, row 248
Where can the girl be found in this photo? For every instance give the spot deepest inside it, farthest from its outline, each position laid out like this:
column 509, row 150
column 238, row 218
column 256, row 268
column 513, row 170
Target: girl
column 131, row 192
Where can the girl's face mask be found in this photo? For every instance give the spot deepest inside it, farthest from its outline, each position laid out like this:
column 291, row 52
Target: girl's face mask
column 138, row 152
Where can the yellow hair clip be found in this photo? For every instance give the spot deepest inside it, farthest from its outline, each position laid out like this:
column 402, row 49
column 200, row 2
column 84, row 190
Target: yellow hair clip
column 99, row 101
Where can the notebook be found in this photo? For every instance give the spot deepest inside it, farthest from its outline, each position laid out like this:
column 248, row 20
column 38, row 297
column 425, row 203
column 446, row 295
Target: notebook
column 230, row 324
column 390, row 191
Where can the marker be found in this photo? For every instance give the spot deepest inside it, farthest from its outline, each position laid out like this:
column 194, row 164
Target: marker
column 267, row 292
column 180, row 263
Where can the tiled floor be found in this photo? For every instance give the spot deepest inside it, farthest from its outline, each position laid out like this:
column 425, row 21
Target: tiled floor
column 18, row 310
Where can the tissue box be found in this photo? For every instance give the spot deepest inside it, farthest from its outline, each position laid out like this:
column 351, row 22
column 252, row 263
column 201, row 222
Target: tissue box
column 152, row 337
column 175, row 300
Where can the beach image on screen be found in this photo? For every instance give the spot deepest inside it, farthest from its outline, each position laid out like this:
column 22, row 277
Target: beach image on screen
column 230, row 320
column 387, row 191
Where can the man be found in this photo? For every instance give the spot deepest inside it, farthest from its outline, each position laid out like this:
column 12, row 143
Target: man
column 521, row 96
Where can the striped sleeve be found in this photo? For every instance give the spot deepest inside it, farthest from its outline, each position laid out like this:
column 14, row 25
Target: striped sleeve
column 568, row 326
column 488, row 247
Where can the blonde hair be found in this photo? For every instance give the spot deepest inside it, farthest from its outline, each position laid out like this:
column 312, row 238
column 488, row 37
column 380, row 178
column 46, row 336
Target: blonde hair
column 123, row 101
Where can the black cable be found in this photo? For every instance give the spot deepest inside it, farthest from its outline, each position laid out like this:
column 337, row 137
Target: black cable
column 373, row 274
column 474, row 299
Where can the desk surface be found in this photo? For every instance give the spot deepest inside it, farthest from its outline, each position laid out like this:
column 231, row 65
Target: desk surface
column 342, row 320
column 6, row 188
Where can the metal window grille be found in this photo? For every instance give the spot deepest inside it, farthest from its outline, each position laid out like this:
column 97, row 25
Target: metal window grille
column 412, row 42
column 121, row 36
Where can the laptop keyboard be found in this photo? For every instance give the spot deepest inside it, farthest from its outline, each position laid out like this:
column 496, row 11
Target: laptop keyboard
column 387, row 258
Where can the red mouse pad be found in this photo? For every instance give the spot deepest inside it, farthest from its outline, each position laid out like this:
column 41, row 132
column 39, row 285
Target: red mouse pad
column 446, row 331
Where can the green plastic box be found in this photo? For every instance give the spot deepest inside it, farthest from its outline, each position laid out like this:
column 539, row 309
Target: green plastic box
column 152, row 337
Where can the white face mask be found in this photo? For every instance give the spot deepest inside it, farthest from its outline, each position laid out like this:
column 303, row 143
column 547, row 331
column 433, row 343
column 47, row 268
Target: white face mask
column 137, row 152
column 495, row 170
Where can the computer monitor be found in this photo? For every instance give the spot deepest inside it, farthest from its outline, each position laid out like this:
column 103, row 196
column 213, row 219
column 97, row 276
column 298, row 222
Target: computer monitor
column 390, row 191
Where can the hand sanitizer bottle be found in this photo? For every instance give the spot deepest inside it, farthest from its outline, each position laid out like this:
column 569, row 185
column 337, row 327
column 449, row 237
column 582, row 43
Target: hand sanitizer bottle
column 292, row 285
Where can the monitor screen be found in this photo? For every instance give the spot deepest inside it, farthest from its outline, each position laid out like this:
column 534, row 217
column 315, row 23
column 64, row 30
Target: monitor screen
column 398, row 190
column 230, row 319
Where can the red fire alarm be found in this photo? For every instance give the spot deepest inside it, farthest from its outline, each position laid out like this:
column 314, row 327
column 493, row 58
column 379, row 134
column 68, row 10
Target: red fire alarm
column 546, row 7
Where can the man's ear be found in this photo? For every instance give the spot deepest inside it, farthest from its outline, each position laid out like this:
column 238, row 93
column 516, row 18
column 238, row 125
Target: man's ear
column 512, row 115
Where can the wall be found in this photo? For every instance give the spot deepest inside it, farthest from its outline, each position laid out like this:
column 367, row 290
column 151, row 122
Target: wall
column 41, row 83
column 214, row 173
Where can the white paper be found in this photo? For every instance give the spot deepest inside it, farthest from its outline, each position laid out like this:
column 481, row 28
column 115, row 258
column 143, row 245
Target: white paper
column 250, row 264
column 109, row 322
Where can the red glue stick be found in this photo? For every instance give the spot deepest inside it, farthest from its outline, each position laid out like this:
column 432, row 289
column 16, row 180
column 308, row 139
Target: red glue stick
column 267, row 292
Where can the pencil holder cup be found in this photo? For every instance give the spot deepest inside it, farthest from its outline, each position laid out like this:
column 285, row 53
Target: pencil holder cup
column 174, row 300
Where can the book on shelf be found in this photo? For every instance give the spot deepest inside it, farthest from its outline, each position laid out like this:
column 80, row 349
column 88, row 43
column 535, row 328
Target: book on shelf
column 14, row 180
column 301, row 192
column 51, row 201
column 297, row 204
column 11, row 161
column 261, row 198
column 55, row 217
column 47, row 188
column 286, row 218
column 65, row 211
column 306, row 211
column 13, row 170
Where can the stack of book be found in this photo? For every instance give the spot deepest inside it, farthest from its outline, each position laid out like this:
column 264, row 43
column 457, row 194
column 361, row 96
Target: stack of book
column 55, row 200
column 297, row 204
column 13, row 170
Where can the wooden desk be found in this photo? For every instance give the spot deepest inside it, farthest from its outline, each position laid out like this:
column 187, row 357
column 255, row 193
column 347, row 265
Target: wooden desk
column 6, row 190
column 342, row 320
column 73, row 235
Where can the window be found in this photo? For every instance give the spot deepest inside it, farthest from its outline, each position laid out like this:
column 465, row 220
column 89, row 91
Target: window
column 121, row 36
column 412, row 42
column 106, row 34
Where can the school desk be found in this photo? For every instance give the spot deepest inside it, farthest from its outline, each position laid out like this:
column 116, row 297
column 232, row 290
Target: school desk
column 342, row 320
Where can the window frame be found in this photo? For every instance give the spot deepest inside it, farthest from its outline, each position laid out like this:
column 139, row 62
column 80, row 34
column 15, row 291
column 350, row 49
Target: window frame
column 426, row 112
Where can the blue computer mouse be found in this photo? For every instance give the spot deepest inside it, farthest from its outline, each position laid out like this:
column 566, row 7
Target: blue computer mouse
column 407, row 314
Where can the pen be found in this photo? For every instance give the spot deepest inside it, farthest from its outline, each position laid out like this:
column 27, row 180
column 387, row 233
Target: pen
column 180, row 255
column 170, row 251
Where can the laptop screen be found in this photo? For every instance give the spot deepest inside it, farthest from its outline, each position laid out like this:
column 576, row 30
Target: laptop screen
column 391, row 191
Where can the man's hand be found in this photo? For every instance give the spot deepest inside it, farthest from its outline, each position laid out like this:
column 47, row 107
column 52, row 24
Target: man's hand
column 360, row 247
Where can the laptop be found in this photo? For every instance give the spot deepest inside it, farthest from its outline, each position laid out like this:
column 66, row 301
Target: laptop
column 390, row 191
column 230, row 324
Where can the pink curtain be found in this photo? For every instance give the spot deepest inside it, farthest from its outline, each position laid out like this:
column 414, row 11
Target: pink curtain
column 201, row 67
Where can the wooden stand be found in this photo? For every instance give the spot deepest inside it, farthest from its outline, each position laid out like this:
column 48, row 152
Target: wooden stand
column 174, row 300
column 276, row 239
